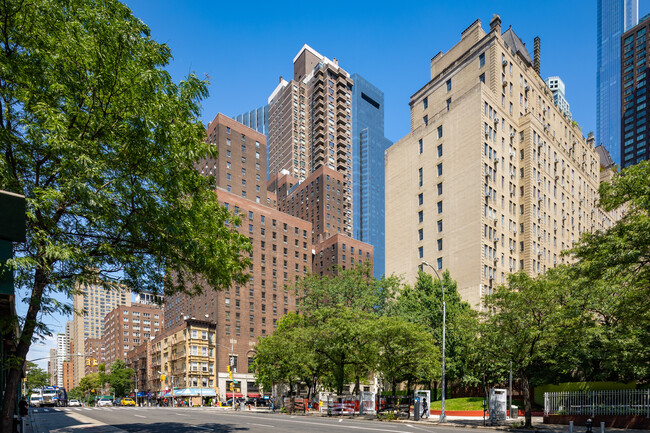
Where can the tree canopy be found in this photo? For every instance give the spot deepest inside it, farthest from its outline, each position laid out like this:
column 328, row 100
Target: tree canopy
column 36, row 377
column 102, row 143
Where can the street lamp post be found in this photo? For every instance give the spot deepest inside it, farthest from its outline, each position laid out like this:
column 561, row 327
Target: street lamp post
column 443, row 416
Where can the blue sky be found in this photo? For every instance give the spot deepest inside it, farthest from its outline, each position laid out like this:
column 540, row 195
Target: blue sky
column 244, row 47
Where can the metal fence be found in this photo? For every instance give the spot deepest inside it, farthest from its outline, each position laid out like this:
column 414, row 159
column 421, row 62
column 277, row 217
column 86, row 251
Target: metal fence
column 609, row 402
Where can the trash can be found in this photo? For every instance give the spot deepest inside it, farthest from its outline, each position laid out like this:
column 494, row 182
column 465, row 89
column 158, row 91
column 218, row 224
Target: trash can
column 514, row 412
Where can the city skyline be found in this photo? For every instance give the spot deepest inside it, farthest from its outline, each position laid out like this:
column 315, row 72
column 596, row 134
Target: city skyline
column 376, row 55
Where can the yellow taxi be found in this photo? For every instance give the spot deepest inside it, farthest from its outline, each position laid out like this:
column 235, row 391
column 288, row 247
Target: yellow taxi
column 127, row 402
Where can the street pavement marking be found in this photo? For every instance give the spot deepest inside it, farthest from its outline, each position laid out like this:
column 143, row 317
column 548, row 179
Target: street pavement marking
column 261, row 425
column 321, row 424
column 181, row 414
column 140, row 416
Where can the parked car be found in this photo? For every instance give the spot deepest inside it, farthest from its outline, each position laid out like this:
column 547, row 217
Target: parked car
column 104, row 402
column 127, row 402
column 74, row 402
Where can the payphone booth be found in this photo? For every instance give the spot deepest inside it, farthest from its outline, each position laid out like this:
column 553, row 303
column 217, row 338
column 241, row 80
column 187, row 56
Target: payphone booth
column 425, row 402
column 498, row 405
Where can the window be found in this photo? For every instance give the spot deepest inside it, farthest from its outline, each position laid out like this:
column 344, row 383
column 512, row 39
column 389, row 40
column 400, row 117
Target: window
column 420, row 234
column 439, row 188
column 420, row 252
column 440, row 131
column 439, row 206
column 439, row 244
column 439, row 226
column 420, row 176
column 439, row 168
column 425, row 103
column 439, row 261
column 420, row 147
column 425, row 119
column 420, row 199
column 439, row 150
column 420, row 216
column 481, row 60
column 449, row 85
column 481, row 78
column 448, row 104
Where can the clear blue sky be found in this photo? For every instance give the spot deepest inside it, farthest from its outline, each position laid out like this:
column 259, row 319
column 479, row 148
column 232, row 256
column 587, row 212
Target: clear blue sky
column 244, row 47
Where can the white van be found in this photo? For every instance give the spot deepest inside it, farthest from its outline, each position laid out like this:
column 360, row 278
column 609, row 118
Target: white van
column 35, row 400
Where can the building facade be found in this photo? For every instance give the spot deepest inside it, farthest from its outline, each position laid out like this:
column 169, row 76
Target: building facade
column 128, row 326
column 310, row 121
column 492, row 178
column 634, row 120
column 614, row 17
column 94, row 355
column 368, row 147
column 557, row 87
column 91, row 302
column 62, row 355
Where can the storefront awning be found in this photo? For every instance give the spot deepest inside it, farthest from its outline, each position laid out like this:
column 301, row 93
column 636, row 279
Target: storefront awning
column 254, row 394
column 237, row 395
column 142, row 394
column 195, row 392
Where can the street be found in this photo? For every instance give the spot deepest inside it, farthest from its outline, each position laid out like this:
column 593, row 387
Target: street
column 200, row 420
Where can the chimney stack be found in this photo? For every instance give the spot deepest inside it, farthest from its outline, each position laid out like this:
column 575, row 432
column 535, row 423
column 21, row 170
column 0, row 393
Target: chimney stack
column 495, row 24
column 537, row 55
column 280, row 78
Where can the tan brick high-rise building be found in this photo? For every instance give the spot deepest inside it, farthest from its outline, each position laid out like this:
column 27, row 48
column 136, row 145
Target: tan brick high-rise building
column 91, row 303
column 310, row 122
column 492, row 178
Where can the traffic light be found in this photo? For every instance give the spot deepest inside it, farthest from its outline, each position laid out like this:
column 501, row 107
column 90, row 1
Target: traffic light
column 88, row 362
column 162, row 377
column 229, row 372
column 94, row 362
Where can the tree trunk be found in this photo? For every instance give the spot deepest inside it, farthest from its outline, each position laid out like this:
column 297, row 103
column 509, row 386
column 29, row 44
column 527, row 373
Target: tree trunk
column 526, row 389
column 12, row 385
column 435, row 391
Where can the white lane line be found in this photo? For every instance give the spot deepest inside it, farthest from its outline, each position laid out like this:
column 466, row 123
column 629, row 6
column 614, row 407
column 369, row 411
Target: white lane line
column 202, row 428
column 261, row 425
column 140, row 416
column 46, row 410
column 348, row 426
column 181, row 414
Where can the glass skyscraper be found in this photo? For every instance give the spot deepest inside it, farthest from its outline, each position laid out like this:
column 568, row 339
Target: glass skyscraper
column 614, row 17
column 257, row 119
column 368, row 147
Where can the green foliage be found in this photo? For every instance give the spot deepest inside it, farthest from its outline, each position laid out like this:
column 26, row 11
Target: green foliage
column 103, row 143
column 614, row 266
column 422, row 304
column 534, row 323
column 120, row 378
column 76, row 392
column 36, row 377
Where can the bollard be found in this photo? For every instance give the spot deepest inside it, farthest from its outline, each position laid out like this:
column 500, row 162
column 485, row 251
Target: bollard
column 570, row 426
column 602, row 427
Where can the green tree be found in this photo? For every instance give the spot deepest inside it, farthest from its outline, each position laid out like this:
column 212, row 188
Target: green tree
column 287, row 355
column 615, row 264
column 89, row 385
column 120, row 378
column 36, row 377
column 532, row 322
column 406, row 352
column 422, row 304
column 76, row 392
column 103, row 143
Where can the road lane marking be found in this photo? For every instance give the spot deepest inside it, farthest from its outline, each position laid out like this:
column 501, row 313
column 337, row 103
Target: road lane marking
column 261, row 425
column 348, row 426
column 140, row 416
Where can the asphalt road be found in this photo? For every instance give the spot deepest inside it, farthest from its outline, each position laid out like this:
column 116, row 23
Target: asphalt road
column 202, row 420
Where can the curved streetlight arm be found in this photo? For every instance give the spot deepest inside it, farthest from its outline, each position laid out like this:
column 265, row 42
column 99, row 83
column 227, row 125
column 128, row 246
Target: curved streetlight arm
column 443, row 416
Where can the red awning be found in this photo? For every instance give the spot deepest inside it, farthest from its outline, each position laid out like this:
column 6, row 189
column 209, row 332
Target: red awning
column 254, row 394
column 237, row 394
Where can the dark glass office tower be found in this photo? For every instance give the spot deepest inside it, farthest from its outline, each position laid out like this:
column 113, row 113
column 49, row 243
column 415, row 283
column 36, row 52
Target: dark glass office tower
column 368, row 147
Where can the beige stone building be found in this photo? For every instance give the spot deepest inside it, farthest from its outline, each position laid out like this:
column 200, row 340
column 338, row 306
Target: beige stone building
column 91, row 302
column 492, row 178
column 186, row 356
